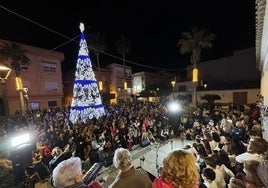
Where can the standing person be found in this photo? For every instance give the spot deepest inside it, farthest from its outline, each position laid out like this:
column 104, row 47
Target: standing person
column 128, row 175
column 238, row 135
column 179, row 171
column 69, row 174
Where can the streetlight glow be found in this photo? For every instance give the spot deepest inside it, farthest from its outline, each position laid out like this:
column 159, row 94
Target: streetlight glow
column 174, row 107
column 21, row 140
column 4, row 73
column 173, row 82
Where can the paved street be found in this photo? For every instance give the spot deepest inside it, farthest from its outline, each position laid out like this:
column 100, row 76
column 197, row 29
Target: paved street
column 153, row 156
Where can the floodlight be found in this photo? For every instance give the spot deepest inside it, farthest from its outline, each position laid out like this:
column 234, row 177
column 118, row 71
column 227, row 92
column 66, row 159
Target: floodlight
column 21, row 140
column 174, row 107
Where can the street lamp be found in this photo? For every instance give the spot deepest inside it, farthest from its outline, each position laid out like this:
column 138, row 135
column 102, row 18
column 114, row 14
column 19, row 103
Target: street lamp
column 25, row 92
column 20, row 89
column 4, row 73
column 173, row 85
column 118, row 94
column 205, row 86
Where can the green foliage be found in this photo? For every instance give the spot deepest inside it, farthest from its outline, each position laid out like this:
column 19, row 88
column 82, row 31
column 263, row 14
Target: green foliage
column 156, row 90
column 189, row 110
column 16, row 54
column 210, row 106
column 194, row 41
column 210, row 98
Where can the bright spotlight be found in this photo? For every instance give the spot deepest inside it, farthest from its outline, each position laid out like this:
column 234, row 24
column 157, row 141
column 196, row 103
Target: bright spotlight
column 174, row 107
column 21, row 140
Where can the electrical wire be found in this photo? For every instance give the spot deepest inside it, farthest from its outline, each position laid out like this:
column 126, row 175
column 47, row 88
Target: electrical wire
column 73, row 40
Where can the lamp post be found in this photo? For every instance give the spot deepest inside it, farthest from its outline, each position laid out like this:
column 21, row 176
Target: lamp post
column 173, row 85
column 119, row 94
column 25, row 92
column 205, row 86
column 20, row 89
column 125, row 91
column 4, row 73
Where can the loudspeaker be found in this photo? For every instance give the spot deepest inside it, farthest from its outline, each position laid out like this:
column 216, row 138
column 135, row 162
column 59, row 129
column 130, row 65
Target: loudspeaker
column 21, row 158
column 145, row 143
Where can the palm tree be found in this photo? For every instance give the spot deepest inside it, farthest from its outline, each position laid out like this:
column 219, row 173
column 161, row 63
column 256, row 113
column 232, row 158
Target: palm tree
column 193, row 42
column 98, row 45
column 18, row 58
column 16, row 54
column 123, row 48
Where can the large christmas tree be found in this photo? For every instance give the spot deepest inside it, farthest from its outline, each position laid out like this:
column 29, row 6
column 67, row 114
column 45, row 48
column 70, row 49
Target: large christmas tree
column 86, row 101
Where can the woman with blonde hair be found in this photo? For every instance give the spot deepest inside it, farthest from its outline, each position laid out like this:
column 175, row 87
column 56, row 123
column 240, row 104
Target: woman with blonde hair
column 179, row 171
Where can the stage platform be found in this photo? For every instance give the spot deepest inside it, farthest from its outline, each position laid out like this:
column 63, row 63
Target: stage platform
column 149, row 158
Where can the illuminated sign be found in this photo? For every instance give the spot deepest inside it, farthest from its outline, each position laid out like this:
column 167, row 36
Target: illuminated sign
column 195, row 75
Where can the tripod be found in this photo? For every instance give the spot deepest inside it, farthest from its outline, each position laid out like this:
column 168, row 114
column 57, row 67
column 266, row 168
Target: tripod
column 142, row 160
column 171, row 144
column 156, row 159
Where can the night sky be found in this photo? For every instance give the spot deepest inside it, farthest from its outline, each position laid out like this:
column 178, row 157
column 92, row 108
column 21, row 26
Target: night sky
column 153, row 28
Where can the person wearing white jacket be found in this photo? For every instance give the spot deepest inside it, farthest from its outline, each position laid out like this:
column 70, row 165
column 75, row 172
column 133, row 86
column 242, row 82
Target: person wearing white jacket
column 255, row 151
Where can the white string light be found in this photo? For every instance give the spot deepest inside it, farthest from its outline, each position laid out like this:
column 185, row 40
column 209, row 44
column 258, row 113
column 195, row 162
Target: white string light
column 73, row 40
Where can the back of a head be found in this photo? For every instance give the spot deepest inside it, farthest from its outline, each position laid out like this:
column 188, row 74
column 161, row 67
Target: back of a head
column 180, row 167
column 65, row 172
column 236, row 183
column 258, row 145
column 211, row 162
column 252, row 133
column 201, row 150
column 56, row 151
column 209, row 174
column 215, row 136
column 122, row 159
column 262, row 171
column 251, row 166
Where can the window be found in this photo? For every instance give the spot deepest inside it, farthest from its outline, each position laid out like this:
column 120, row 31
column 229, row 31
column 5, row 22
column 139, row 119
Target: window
column 51, row 86
column 128, row 73
column 182, row 88
column 34, row 105
column 52, row 103
column 48, row 67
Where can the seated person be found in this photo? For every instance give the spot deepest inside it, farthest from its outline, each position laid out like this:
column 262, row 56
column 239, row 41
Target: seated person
column 58, row 156
column 209, row 176
column 151, row 138
column 164, row 135
column 68, row 173
column 128, row 175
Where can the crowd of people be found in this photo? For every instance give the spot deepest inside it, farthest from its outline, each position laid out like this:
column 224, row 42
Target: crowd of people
column 227, row 151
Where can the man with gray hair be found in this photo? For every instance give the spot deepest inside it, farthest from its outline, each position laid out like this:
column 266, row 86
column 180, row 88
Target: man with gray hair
column 128, row 176
column 68, row 173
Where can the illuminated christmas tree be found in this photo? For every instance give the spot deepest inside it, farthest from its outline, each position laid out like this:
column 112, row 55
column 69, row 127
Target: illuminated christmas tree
column 86, row 101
